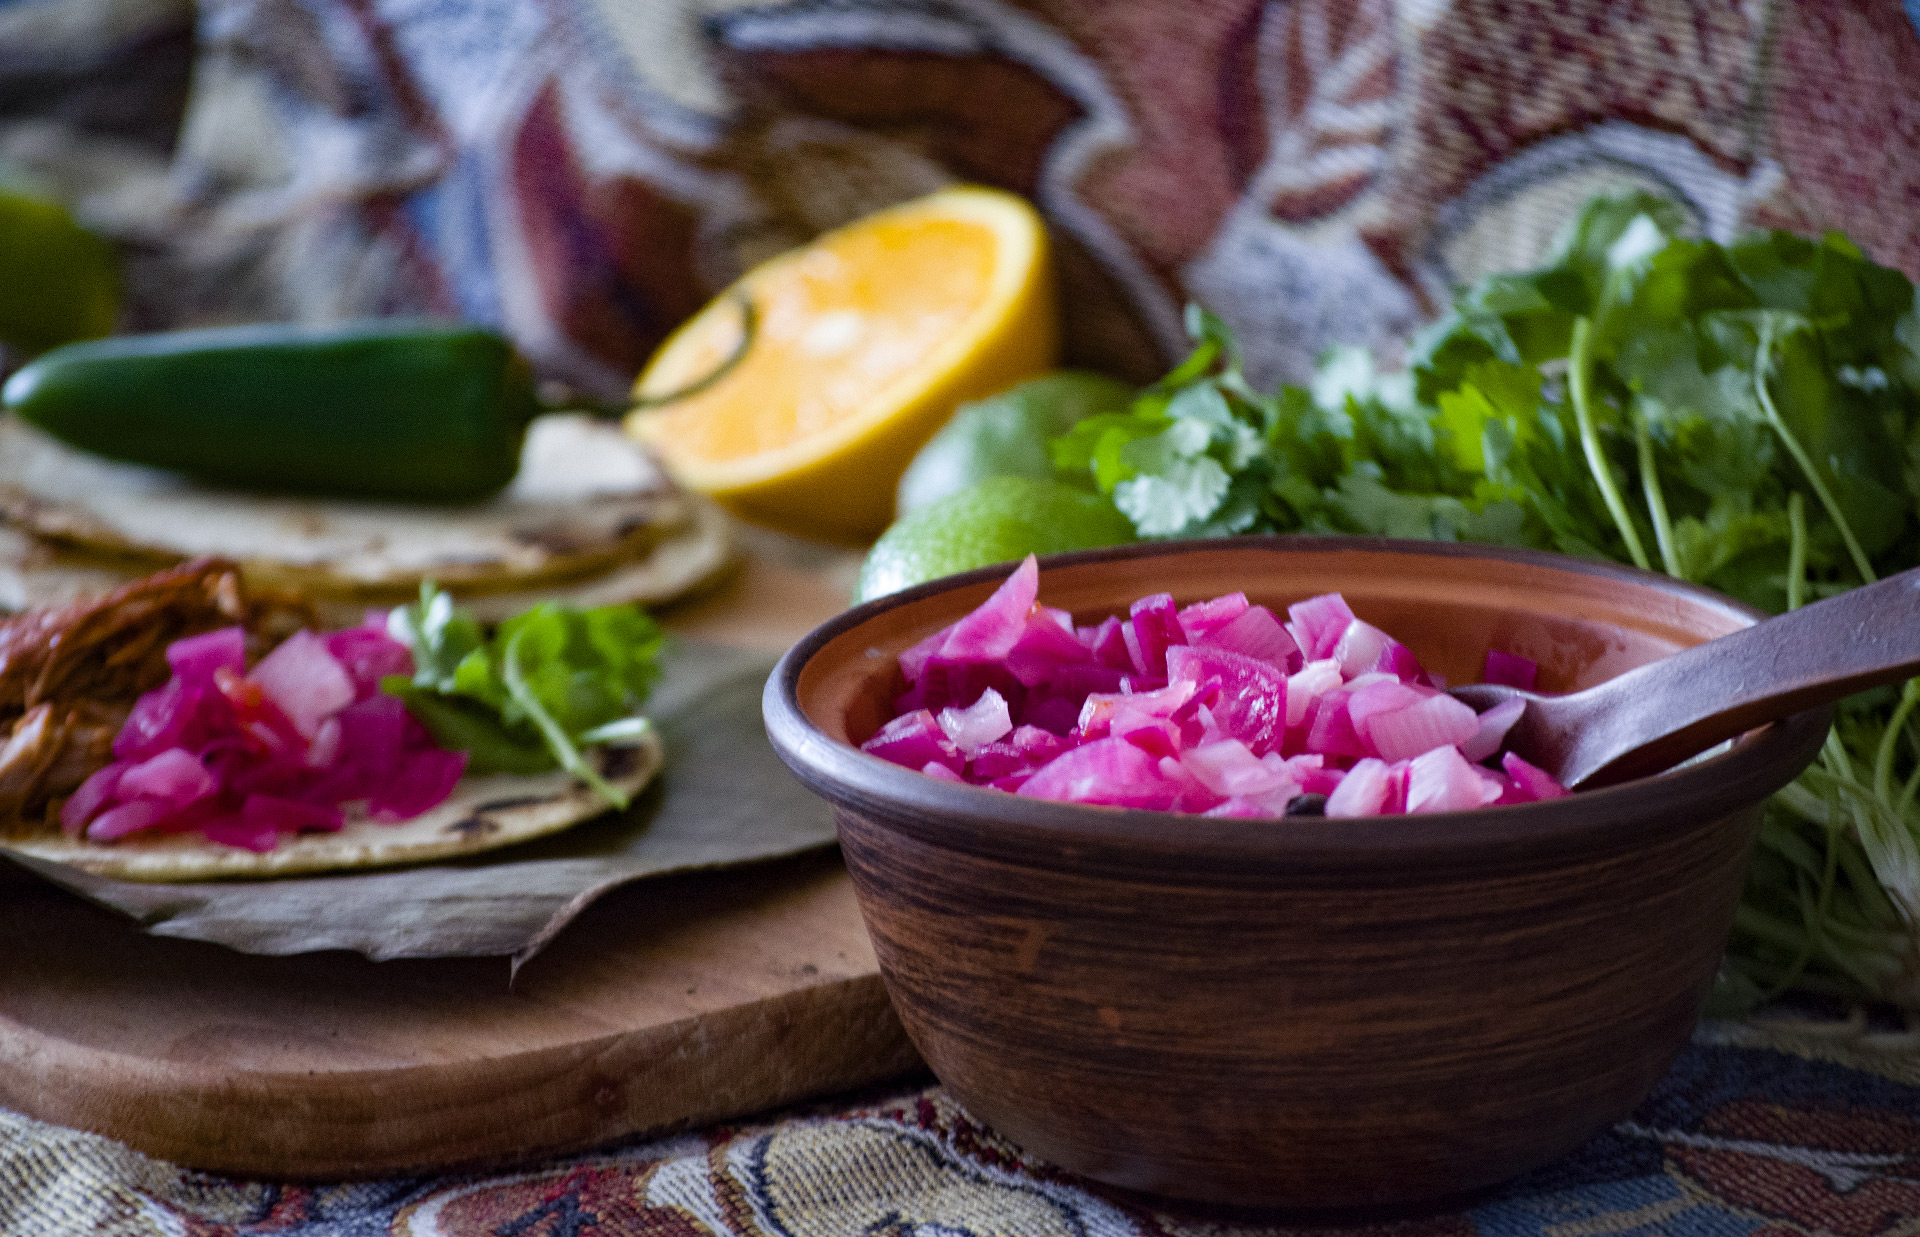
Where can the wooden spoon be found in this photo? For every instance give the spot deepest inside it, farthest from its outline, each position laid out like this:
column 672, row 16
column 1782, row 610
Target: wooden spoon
column 1656, row 715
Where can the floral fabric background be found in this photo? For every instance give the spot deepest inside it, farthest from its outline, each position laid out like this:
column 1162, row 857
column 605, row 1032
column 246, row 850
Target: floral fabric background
column 585, row 173
column 1752, row 1134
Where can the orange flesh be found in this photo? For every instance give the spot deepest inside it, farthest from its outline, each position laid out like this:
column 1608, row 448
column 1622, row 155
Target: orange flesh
column 857, row 312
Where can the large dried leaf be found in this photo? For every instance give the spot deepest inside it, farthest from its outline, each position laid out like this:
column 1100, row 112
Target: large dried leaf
column 723, row 798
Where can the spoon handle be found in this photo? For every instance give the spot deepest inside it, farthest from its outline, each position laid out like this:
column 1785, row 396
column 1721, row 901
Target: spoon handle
column 1654, row 716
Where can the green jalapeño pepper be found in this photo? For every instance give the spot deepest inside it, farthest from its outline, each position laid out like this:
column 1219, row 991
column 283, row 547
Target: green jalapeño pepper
column 58, row 281
column 385, row 409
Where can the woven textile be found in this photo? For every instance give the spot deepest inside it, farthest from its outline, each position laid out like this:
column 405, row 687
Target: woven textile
column 1751, row 1133
column 584, row 173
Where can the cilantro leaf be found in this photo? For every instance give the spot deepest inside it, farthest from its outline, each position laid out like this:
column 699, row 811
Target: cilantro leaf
column 1751, row 409
column 547, row 682
column 440, row 636
column 1180, row 493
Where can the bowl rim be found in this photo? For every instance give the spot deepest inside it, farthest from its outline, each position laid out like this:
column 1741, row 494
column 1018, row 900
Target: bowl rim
column 1038, row 830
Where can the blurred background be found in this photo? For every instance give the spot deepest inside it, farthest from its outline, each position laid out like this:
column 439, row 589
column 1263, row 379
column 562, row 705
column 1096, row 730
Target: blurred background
column 584, row 174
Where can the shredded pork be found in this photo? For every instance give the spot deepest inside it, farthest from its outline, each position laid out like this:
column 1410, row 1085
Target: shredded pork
column 70, row 675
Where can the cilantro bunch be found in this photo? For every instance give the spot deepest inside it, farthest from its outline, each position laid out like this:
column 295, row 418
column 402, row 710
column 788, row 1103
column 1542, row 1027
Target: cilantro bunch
column 529, row 696
column 1746, row 416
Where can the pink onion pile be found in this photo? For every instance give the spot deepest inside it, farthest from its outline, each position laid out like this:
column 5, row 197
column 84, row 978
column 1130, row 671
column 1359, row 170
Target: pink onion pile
column 247, row 756
column 1220, row 708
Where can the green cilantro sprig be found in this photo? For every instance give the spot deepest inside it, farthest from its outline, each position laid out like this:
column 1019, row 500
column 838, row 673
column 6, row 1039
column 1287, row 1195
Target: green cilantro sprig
column 1745, row 415
column 528, row 697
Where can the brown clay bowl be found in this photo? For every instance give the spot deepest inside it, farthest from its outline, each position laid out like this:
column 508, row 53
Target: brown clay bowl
column 1309, row 1013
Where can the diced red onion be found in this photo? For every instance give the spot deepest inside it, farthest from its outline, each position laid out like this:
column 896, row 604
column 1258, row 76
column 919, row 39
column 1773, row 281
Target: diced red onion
column 173, row 779
column 912, row 740
column 1441, row 780
column 1313, row 774
column 1253, row 694
column 1044, row 648
column 1109, row 647
column 1190, row 794
column 1097, row 714
column 195, row 658
column 1510, row 670
column 1360, row 647
column 1213, row 709
column 302, row 678
column 88, row 801
column 1152, row 627
column 129, row 817
column 1364, row 791
column 1150, row 735
column 979, row 724
column 1257, row 633
column 1027, row 748
column 913, row 662
column 959, row 682
column 1491, row 730
column 368, row 654
column 426, row 776
column 1383, row 694
column 1056, row 714
column 1307, row 685
column 1317, row 624
column 1332, row 732
column 1398, row 660
column 1404, row 733
column 1203, row 618
column 243, row 758
column 1535, row 782
column 1230, row 768
column 325, row 748
column 1113, row 772
column 990, row 631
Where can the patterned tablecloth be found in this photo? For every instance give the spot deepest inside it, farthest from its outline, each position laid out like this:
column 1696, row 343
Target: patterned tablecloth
column 583, row 173
column 1754, row 1131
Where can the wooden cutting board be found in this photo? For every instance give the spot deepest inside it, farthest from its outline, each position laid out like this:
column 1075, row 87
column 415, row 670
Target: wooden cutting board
column 668, row 1004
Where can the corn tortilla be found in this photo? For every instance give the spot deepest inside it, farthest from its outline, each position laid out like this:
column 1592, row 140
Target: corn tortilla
column 483, row 813
column 587, row 501
column 36, row 572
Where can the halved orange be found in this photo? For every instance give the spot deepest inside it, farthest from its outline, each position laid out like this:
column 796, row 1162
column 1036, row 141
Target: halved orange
column 858, row 347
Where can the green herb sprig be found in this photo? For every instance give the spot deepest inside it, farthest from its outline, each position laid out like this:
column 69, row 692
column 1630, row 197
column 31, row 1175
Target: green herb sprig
column 529, row 696
column 1744, row 415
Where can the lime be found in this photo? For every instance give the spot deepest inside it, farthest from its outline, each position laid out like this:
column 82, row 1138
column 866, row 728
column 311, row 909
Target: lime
column 58, row 281
column 992, row 521
column 1006, row 435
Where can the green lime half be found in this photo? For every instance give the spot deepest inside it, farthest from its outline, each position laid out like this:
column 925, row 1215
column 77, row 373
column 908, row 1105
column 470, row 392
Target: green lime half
column 1005, row 435
column 58, row 281
column 993, row 521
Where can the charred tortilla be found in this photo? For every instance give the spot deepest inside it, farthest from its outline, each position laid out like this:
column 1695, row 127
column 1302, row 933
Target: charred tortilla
column 588, row 509
column 36, row 572
column 483, row 813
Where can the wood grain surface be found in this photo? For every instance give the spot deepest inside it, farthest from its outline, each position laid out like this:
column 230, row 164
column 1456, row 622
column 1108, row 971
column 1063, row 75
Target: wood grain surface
column 667, row 1004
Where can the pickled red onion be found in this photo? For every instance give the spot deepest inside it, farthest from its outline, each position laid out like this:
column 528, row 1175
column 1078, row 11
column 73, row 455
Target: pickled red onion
column 248, row 757
column 1218, row 708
